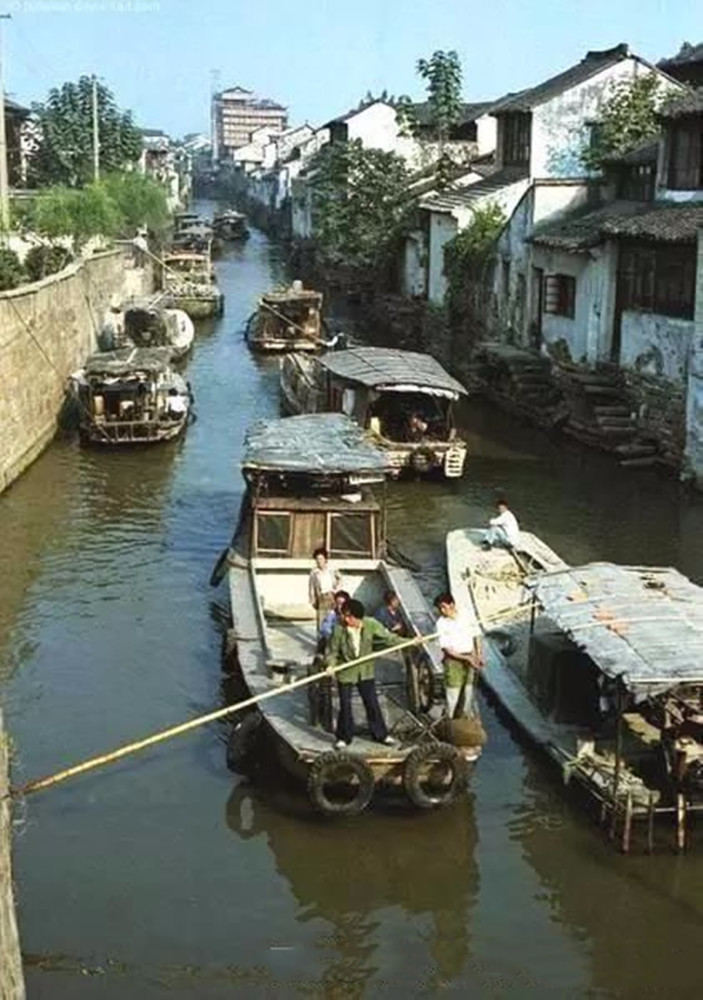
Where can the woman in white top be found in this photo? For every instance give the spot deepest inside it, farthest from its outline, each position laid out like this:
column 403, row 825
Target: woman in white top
column 324, row 581
column 504, row 529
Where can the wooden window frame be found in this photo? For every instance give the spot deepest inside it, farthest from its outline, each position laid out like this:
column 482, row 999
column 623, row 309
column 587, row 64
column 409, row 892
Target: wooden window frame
column 517, row 139
column 658, row 278
column 559, row 295
column 685, row 156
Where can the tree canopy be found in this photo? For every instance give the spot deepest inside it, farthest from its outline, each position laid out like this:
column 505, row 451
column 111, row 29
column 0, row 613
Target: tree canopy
column 628, row 118
column 359, row 201
column 443, row 75
column 64, row 145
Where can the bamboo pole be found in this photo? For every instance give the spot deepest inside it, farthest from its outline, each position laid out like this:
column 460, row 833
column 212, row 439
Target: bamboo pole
column 220, row 713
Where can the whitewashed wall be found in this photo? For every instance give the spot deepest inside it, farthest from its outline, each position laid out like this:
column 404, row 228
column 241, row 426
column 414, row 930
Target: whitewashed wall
column 656, row 345
column 560, row 131
column 414, row 274
column 443, row 227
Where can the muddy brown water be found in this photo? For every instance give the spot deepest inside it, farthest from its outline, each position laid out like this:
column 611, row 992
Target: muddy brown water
column 166, row 874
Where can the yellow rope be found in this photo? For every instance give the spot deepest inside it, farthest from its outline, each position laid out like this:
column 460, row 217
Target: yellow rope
column 166, row 734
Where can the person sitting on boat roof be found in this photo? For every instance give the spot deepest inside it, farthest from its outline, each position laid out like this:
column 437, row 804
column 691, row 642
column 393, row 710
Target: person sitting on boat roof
column 333, row 617
column 389, row 613
column 460, row 640
column 504, row 530
column 355, row 637
column 324, row 581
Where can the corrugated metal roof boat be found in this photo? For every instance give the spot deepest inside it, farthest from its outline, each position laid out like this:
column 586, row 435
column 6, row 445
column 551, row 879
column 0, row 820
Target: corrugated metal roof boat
column 601, row 666
column 309, row 484
column 287, row 319
column 405, row 399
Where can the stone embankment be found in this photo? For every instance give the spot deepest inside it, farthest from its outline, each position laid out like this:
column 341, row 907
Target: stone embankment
column 47, row 330
column 11, row 979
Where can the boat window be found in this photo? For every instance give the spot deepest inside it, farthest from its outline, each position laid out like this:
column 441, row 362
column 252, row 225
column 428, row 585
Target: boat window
column 351, row 535
column 273, row 533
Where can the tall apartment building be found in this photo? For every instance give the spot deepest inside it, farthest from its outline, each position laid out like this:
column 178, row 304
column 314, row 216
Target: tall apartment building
column 236, row 113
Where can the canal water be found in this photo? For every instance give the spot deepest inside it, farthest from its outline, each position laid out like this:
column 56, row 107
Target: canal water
column 167, row 875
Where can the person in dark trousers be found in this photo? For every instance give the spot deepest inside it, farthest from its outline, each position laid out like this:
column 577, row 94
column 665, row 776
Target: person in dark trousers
column 353, row 638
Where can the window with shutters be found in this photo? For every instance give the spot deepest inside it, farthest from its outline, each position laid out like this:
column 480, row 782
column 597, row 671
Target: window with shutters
column 686, row 156
column 516, row 139
column 658, row 279
column 560, row 295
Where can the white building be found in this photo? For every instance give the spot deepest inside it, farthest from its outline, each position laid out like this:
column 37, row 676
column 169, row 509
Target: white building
column 541, row 134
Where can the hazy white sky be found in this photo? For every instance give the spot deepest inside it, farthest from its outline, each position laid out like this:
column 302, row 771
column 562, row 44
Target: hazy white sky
column 317, row 56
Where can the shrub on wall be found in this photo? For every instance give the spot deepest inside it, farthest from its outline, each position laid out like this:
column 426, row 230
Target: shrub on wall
column 12, row 273
column 44, row 260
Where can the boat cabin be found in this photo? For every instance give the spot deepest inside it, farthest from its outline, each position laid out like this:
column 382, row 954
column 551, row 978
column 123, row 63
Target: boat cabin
column 189, row 280
column 231, row 225
column 404, row 398
column 131, row 396
column 287, row 320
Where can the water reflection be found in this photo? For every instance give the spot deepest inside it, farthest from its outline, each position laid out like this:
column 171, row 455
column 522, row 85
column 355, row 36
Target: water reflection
column 352, row 875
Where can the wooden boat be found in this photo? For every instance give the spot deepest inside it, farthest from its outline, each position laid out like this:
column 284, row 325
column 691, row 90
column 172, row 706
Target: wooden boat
column 131, row 396
column 231, row 225
column 287, row 320
column 404, row 398
column 148, row 323
column 308, row 484
column 188, row 279
column 601, row 666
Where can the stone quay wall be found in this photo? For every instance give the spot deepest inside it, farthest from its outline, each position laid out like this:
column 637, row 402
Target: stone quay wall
column 11, row 979
column 47, row 330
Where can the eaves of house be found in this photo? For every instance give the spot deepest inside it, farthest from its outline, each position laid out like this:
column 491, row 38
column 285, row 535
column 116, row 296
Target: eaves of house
column 655, row 222
column 461, row 198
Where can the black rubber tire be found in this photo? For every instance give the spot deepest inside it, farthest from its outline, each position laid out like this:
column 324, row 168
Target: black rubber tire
column 243, row 743
column 220, row 569
column 442, row 753
column 322, row 771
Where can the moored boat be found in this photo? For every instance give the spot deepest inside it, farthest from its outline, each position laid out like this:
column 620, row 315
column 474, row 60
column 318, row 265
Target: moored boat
column 131, row 396
column 189, row 281
column 288, row 319
column 601, row 666
column 148, row 323
column 231, row 225
column 309, row 484
column 404, row 398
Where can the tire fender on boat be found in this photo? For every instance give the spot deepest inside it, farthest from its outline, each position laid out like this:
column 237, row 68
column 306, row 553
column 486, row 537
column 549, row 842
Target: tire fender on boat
column 243, row 743
column 341, row 766
column 442, row 795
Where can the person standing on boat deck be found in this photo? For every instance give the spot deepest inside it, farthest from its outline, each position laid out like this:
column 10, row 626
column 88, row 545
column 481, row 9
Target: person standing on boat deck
column 353, row 638
column 460, row 640
column 504, row 530
column 389, row 613
column 333, row 617
column 324, row 581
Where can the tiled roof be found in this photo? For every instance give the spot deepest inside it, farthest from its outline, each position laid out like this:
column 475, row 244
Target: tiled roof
column 645, row 152
column 661, row 222
column 340, row 119
column 447, row 201
column 686, row 54
column 470, row 111
column 689, row 103
column 592, row 63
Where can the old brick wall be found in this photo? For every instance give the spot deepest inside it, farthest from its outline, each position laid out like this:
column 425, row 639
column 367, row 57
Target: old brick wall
column 47, row 330
column 11, row 979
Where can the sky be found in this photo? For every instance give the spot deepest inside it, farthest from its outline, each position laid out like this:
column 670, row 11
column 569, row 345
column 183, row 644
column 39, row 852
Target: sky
column 161, row 58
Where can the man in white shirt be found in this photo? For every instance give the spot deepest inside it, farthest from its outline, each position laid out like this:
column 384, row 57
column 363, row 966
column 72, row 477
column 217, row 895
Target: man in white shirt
column 504, row 529
column 324, row 581
column 460, row 639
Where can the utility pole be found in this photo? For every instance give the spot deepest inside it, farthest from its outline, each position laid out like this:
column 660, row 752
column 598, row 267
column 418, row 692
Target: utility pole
column 96, row 132
column 4, row 182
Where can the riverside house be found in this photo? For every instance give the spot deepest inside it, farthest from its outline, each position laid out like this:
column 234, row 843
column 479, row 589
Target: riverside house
column 541, row 134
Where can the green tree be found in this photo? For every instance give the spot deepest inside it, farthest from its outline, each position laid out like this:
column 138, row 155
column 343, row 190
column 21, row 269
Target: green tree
column 64, row 150
column 628, row 118
column 443, row 75
column 141, row 201
column 359, row 202
column 473, row 249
